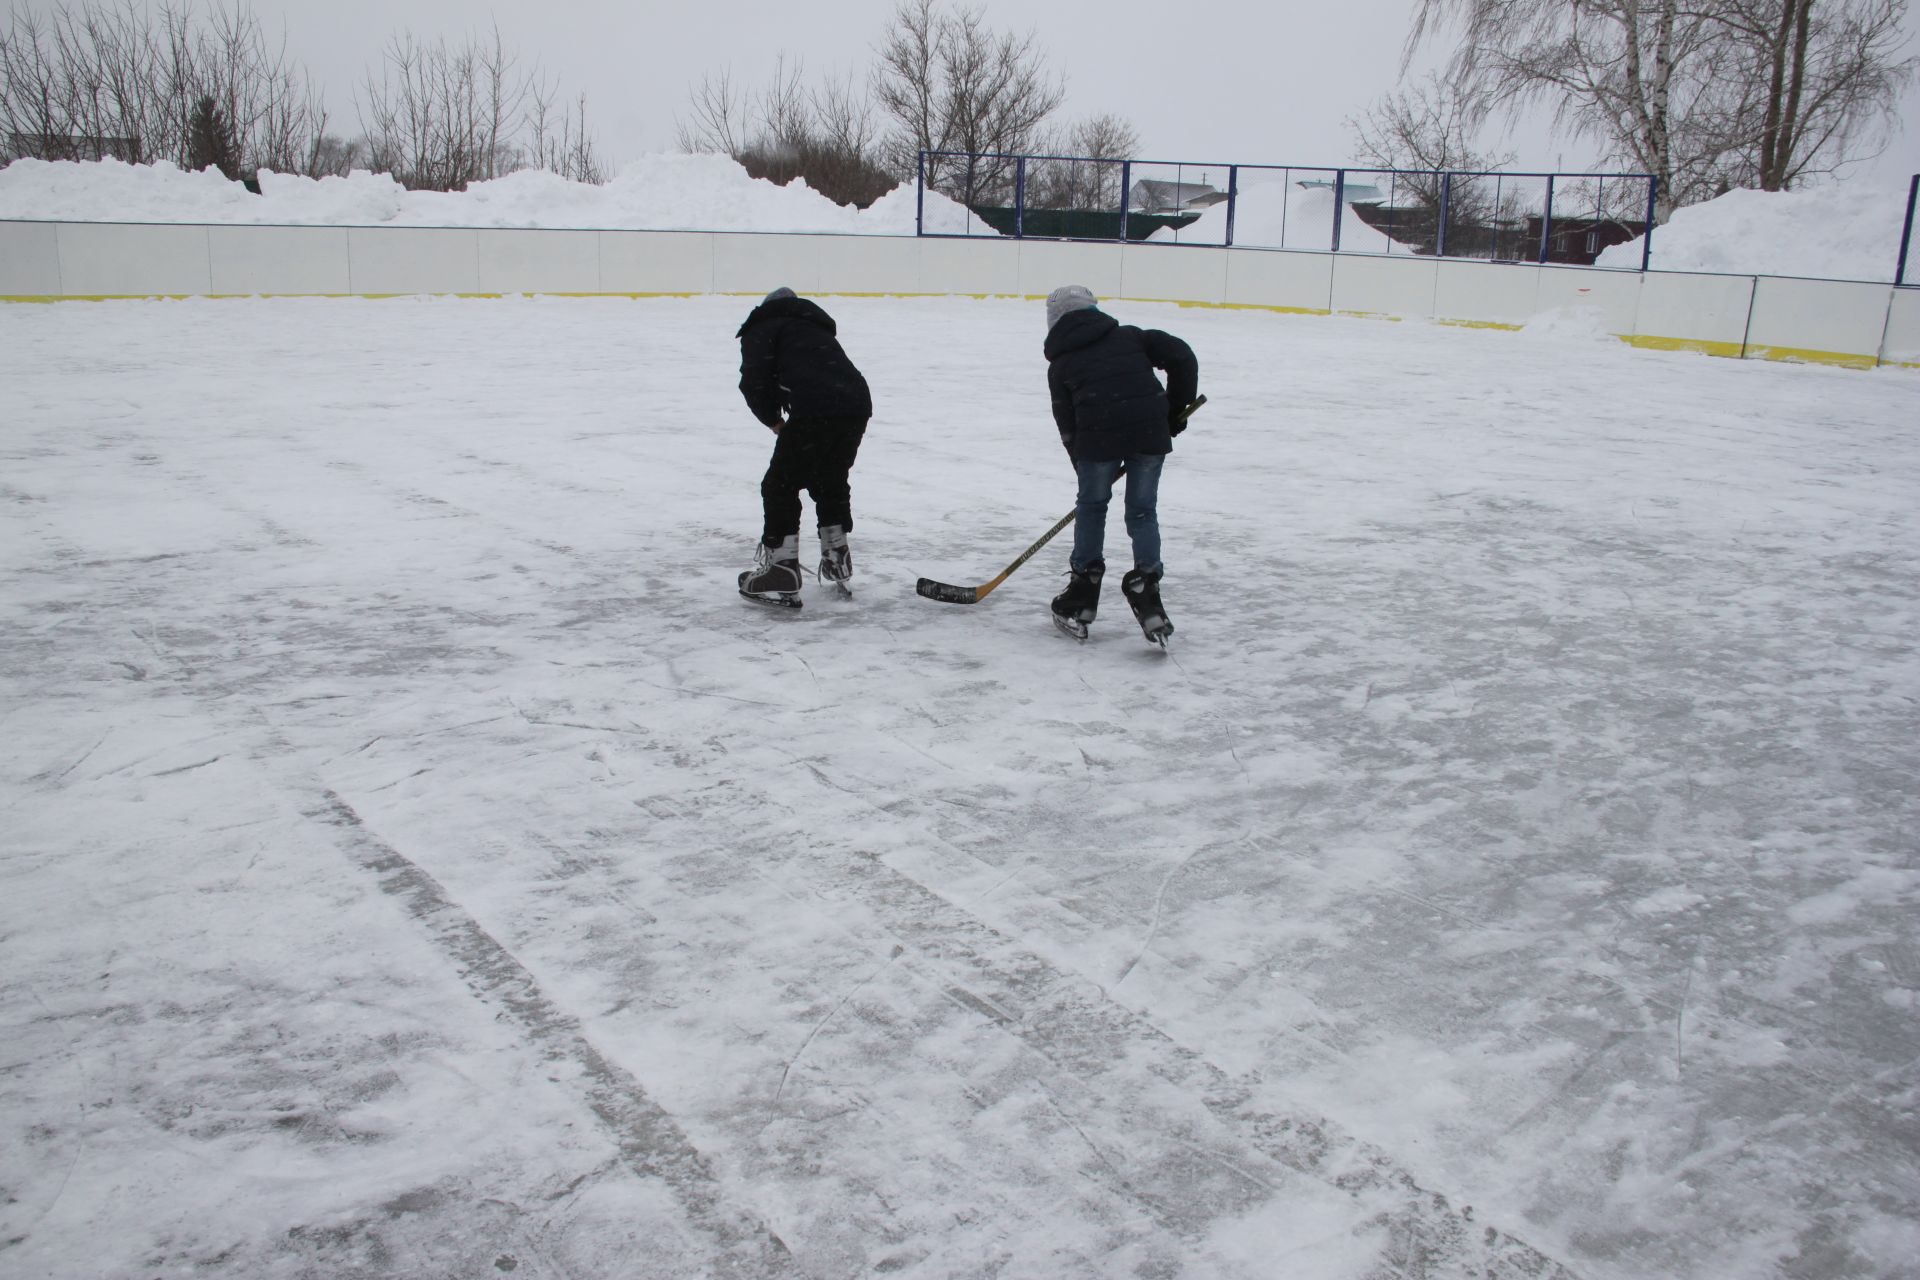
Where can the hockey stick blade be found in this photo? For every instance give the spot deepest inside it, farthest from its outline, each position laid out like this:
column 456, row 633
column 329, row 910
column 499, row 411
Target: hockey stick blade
column 946, row 592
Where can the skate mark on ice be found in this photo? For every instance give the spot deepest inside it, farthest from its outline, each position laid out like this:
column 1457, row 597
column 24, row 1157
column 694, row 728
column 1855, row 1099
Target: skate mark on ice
column 48, row 775
column 1097, row 1039
column 855, row 990
column 1159, row 901
column 650, row 1142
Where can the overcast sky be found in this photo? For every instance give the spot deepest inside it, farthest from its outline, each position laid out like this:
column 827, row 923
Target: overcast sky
column 1249, row 81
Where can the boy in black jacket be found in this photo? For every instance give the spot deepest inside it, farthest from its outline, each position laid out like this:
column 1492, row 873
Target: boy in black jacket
column 1113, row 415
column 791, row 362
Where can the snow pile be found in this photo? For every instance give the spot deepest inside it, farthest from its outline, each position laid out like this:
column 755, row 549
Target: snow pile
column 660, row 193
column 1847, row 232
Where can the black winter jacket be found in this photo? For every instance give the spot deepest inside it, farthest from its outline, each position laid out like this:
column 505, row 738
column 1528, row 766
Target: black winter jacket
column 1106, row 401
column 791, row 361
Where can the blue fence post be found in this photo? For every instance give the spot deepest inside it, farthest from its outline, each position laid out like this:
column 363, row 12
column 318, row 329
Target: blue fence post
column 1339, row 203
column 1126, row 185
column 1446, row 211
column 1233, row 196
column 1019, row 197
column 1646, row 243
column 920, row 195
column 1906, row 230
column 1546, row 222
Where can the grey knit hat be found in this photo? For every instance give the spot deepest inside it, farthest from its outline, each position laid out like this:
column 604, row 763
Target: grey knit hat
column 777, row 294
column 1068, row 297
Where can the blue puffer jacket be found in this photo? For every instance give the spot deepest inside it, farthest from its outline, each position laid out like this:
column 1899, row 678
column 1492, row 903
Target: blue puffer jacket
column 1106, row 400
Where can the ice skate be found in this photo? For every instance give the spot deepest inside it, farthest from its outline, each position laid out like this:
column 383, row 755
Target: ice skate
column 1142, row 590
column 775, row 576
column 836, row 560
column 1075, row 607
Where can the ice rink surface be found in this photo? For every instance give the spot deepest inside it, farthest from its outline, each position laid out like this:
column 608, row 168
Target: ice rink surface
column 419, row 862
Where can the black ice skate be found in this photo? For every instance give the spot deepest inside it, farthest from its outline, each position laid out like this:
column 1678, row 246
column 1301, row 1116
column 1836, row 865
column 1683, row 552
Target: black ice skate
column 1142, row 590
column 775, row 576
column 836, row 561
column 1075, row 607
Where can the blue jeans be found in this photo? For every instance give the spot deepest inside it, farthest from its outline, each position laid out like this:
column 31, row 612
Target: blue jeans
column 1142, row 509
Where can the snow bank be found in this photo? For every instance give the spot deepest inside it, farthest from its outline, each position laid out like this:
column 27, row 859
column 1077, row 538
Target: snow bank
column 1847, row 232
column 656, row 193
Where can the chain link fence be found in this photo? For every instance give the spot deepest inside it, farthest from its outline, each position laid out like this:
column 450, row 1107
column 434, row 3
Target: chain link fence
column 1495, row 217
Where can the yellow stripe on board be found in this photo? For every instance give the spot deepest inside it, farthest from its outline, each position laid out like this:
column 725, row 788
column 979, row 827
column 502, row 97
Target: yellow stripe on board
column 1804, row 355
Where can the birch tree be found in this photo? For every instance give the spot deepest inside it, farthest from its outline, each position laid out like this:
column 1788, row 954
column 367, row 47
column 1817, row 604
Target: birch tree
column 1702, row 94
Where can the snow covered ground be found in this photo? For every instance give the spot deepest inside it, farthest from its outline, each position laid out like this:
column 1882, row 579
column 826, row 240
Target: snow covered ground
column 419, row 862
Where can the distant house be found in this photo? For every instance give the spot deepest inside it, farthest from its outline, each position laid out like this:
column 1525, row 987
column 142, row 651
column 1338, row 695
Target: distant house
column 1351, row 192
column 1151, row 195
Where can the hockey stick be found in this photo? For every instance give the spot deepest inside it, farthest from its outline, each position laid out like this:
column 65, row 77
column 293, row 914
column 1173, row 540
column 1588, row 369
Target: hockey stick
column 947, row 593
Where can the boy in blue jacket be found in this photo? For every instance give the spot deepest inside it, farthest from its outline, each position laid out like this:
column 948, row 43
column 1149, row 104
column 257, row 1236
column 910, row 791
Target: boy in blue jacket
column 1114, row 417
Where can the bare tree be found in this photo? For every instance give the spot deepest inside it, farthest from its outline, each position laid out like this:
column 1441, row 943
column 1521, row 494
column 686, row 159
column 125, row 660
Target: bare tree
column 1426, row 137
column 1818, row 79
column 129, row 81
column 825, row 135
column 558, row 141
column 1428, row 129
column 718, row 120
column 1640, row 75
column 951, row 84
column 441, row 116
column 1086, row 175
column 1703, row 94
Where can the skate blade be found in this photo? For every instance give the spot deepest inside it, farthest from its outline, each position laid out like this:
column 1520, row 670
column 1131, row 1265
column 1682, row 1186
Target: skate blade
column 783, row 600
column 1071, row 627
column 841, row 590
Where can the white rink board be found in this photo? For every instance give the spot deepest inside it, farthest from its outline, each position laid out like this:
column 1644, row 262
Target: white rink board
column 279, row 260
column 969, row 265
column 1272, row 278
column 1727, row 315
column 1045, row 265
column 1485, row 292
column 139, row 261
column 656, row 261
column 1616, row 294
column 29, row 259
column 414, row 260
column 1383, row 286
column 1801, row 316
column 1181, row 275
column 1708, row 310
column 537, row 261
column 884, row 264
column 1901, row 345
column 747, row 262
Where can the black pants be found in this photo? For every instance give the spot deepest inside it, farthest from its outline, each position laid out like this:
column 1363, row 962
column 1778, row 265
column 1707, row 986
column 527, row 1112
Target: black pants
column 814, row 454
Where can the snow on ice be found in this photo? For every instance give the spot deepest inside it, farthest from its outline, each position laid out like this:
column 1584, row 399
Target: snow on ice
column 419, row 862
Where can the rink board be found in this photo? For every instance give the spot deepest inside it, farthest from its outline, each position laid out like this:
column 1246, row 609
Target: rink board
column 1826, row 321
